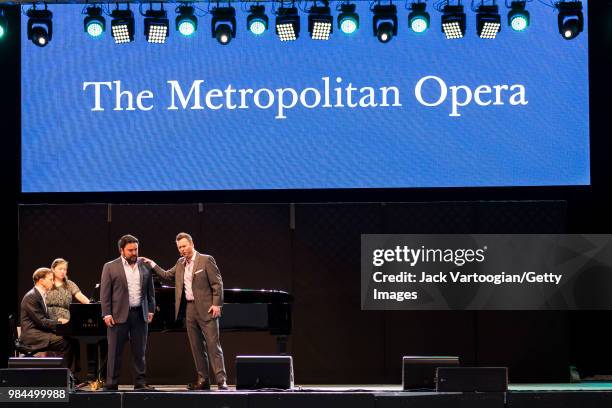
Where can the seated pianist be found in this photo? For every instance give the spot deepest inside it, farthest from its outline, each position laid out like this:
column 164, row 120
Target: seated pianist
column 37, row 328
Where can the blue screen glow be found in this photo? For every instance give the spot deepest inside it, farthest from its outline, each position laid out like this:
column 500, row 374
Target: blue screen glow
column 258, row 113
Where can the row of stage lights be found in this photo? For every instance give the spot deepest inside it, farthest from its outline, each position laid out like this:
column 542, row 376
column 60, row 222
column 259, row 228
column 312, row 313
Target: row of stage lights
column 320, row 21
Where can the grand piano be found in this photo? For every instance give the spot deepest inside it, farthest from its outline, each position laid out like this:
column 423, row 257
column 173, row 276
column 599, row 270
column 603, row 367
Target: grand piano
column 244, row 310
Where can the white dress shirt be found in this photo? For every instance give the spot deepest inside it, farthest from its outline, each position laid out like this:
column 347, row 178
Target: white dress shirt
column 133, row 280
column 188, row 277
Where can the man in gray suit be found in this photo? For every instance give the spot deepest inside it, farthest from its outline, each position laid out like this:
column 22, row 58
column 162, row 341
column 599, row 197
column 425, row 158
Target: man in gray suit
column 199, row 292
column 128, row 303
column 37, row 328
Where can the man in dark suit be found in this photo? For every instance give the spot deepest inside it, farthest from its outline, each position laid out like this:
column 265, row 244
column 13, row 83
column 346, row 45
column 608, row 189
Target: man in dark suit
column 199, row 293
column 37, row 328
column 128, row 303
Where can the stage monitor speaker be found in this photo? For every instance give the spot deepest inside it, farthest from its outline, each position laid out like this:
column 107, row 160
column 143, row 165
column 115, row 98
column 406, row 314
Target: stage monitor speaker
column 472, row 379
column 256, row 372
column 35, row 377
column 35, row 362
column 419, row 372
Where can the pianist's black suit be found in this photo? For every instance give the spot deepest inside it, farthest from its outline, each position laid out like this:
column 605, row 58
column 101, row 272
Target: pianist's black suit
column 37, row 328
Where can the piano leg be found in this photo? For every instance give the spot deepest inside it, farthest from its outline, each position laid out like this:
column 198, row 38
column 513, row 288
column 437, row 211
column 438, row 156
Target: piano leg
column 102, row 353
column 92, row 361
column 96, row 352
column 281, row 344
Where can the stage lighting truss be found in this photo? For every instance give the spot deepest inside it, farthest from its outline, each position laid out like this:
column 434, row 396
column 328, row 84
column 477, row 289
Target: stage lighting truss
column 40, row 26
column 3, row 24
column 488, row 21
column 418, row 19
column 156, row 26
column 320, row 22
column 257, row 21
column 348, row 19
column 223, row 25
column 518, row 17
column 453, row 21
column 570, row 19
column 287, row 23
column 384, row 22
column 122, row 26
column 94, row 24
column 186, row 21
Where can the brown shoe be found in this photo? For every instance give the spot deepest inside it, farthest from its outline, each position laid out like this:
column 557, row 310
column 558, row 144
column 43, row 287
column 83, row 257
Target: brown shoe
column 199, row 385
column 222, row 386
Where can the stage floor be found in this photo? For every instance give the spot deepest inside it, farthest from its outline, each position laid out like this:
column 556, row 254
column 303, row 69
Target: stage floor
column 380, row 388
column 581, row 386
column 575, row 395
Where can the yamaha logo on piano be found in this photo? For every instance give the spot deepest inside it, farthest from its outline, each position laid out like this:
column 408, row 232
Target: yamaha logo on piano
column 90, row 324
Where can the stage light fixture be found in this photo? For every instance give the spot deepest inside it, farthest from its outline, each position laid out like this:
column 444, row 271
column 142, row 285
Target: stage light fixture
column 3, row 24
column 186, row 21
column 287, row 23
column 122, row 26
column 518, row 17
column 156, row 26
column 384, row 22
column 223, row 25
column 453, row 22
column 320, row 22
column 348, row 20
column 257, row 21
column 94, row 24
column 488, row 21
column 40, row 26
column 570, row 19
column 418, row 19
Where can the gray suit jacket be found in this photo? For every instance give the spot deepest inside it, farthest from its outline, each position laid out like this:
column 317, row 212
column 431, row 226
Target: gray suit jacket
column 36, row 326
column 114, row 295
column 207, row 284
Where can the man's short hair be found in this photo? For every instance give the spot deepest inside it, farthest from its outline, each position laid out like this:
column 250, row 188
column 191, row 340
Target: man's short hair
column 40, row 273
column 185, row 235
column 127, row 239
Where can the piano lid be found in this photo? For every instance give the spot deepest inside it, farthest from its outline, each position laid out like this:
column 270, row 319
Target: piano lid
column 239, row 295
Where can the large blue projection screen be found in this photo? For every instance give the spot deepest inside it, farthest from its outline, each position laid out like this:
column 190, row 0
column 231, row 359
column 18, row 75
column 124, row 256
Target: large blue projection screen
column 351, row 112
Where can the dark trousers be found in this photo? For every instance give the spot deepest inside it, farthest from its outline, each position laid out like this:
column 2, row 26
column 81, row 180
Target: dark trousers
column 204, row 341
column 135, row 330
column 64, row 346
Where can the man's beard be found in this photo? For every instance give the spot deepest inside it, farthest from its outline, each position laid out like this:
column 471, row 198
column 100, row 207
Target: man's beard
column 131, row 260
